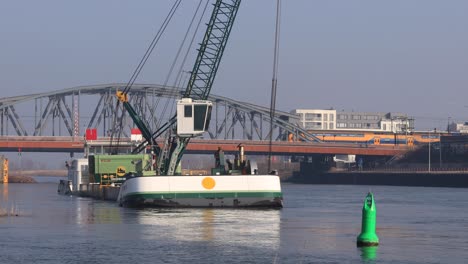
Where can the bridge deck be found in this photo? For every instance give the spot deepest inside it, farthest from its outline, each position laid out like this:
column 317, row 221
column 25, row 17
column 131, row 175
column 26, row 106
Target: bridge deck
column 201, row 146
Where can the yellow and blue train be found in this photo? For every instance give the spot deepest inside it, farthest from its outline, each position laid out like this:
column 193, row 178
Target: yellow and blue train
column 374, row 137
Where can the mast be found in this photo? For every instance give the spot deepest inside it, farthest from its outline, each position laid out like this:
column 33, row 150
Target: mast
column 274, row 81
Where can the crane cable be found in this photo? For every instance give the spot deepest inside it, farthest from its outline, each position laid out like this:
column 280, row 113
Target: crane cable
column 138, row 69
column 274, row 82
column 179, row 51
column 161, row 128
column 151, row 47
column 168, row 142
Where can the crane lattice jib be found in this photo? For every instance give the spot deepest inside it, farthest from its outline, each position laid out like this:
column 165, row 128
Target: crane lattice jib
column 211, row 49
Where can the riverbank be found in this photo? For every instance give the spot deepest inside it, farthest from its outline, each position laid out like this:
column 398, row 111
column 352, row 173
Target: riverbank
column 310, row 173
column 423, row 179
column 21, row 179
column 49, row 173
column 27, row 176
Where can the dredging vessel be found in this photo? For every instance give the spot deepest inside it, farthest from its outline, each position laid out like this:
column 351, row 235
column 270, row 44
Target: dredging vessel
column 127, row 180
column 240, row 186
column 154, row 178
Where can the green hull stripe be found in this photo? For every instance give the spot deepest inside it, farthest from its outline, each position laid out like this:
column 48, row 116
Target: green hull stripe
column 175, row 195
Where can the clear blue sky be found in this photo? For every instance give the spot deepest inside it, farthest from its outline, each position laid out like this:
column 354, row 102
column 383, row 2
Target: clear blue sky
column 400, row 56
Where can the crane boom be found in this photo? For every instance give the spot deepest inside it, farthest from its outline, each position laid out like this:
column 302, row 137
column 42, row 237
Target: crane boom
column 212, row 49
column 122, row 97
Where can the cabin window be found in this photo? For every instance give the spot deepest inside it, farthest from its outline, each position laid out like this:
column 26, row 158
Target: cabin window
column 199, row 117
column 208, row 118
column 188, row 111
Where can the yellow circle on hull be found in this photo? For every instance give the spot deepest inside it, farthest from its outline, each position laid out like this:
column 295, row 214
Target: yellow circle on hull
column 208, row 183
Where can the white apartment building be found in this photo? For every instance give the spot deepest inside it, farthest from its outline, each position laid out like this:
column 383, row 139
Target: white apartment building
column 319, row 119
column 314, row 119
column 462, row 127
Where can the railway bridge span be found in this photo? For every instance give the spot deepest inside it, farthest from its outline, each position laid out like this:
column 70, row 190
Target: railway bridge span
column 56, row 122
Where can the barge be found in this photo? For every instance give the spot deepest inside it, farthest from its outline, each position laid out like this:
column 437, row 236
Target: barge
column 123, row 179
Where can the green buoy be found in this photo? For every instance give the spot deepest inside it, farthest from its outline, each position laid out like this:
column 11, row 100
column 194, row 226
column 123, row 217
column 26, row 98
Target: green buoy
column 368, row 237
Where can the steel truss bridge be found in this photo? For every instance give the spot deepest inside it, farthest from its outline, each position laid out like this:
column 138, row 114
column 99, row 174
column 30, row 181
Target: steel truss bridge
column 69, row 112
column 56, row 122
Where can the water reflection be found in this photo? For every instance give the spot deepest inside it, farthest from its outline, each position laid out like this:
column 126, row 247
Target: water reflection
column 4, row 193
column 207, row 230
column 249, row 228
column 90, row 211
column 4, row 201
column 368, row 254
column 318, row 225
column 222, row 227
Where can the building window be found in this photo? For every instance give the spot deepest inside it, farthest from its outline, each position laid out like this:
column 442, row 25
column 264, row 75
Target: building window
column 313, row 125
column 356, row 117
column 331, row 117
column 313, row 117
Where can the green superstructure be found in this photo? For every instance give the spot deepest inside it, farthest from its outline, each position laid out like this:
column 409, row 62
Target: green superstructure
column 108, row 169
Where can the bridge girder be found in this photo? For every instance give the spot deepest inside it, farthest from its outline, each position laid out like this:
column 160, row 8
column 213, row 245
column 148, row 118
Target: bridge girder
column 71, row 107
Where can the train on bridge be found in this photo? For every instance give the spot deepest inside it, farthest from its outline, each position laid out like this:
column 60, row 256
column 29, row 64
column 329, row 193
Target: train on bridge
column 374, row 138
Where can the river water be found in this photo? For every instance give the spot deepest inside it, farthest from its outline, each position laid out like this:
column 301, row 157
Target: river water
column 318, row 224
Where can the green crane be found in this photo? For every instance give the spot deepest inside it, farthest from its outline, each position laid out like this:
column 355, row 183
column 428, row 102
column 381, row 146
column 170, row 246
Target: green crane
column 193, row 110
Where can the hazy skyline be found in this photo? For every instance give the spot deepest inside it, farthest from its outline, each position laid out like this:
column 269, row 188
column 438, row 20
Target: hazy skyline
column 393, row 56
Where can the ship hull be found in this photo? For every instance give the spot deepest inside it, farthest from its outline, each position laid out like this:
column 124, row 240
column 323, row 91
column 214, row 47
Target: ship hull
column 236, row 191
